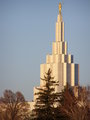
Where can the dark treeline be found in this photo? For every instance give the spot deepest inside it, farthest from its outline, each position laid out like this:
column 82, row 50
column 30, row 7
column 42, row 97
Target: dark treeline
column 49, row 105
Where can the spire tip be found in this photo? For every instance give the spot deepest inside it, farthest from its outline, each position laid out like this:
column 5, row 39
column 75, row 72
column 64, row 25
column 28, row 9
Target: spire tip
column 60, row 7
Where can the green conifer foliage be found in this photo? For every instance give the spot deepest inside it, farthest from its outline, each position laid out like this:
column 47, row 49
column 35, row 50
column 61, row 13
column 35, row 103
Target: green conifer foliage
column 47, row 98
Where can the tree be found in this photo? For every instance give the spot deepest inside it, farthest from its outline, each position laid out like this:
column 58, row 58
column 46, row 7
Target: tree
column 46, row 102
column 71, row 106
column 14, row 106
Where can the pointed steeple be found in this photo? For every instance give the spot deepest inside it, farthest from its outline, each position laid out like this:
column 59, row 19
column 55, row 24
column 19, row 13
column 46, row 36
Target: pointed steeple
column 60, row 13
column 60, row 26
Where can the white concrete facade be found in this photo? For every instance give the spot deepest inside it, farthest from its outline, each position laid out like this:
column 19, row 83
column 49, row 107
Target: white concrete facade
column 60, row 62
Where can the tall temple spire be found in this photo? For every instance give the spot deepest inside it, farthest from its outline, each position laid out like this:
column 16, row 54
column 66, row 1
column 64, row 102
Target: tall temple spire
column 60, row 62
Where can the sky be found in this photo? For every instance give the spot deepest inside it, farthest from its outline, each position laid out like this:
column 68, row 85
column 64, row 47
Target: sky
column 27, row 30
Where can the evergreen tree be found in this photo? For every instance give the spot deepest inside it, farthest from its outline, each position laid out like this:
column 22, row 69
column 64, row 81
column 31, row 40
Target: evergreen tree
column 46, row 102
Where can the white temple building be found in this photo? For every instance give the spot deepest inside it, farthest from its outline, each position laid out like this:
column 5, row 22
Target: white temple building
column 60, row 61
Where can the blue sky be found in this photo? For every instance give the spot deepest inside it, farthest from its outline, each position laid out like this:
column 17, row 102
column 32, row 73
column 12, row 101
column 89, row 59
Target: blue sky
column 27, row 30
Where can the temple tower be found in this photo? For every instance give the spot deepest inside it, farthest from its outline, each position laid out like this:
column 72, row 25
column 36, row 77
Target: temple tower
column 60, row 62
